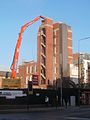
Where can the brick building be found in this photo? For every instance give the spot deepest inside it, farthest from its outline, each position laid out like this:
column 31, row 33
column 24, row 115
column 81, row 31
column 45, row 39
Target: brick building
column 26, row 70
column 45, row 52
column 54, row 51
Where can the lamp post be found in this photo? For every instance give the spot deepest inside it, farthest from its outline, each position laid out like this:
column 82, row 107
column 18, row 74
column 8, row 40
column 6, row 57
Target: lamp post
column 79, row 67
column 61, row 85
column 80, row 41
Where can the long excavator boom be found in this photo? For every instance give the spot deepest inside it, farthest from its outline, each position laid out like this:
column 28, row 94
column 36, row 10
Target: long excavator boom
column 16, row 53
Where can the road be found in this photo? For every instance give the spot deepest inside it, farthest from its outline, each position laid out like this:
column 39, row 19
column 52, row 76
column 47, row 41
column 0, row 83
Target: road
column 49, row 114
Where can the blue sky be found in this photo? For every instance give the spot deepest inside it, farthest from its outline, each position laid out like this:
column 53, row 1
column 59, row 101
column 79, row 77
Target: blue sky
column 15, row 13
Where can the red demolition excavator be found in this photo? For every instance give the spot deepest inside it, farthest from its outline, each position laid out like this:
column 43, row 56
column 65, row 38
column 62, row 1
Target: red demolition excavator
column 13, row 77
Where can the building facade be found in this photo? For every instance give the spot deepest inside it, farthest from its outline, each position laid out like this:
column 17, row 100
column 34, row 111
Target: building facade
column 26, row 70
column 84, row 66
column 85, row 71
column 74, row 73
column 54, row 51
column 45, row 52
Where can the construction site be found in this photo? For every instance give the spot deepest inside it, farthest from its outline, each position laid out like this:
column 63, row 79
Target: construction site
column 31, row 82
column 12, row 80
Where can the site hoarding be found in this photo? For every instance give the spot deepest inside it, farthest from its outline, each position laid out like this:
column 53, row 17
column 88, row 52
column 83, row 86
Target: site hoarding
column 12, row 94
column 11, row 83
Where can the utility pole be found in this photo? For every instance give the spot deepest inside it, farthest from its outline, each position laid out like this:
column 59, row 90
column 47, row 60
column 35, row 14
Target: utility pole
column 61, row 84
column 61, row 77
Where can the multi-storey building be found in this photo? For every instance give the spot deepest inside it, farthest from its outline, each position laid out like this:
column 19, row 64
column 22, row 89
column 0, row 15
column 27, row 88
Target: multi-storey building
column 82, row 60
column 45, row 52
column 26, row 70
column 54, row 51
column 85, row 71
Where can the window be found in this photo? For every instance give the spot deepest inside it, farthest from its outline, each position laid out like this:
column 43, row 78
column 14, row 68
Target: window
column 55, row 60
column 30, row 69
column 54, row 41
column 27, row 79
column 44, row 40
column 27, row 70
column 35, row 68
column 43, row 71
column 55, row 70
column 30, row 79
column 55, row 50
column 44, row 30
column 43, row 60
column 43, row 50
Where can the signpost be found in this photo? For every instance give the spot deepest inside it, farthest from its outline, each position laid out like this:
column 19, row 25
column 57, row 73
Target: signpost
column 35, row 79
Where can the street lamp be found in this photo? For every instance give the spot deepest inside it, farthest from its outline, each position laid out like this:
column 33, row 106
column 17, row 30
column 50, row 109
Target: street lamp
column 61, row 77
column 80, row 41
column 79, row 66
column 61, row 85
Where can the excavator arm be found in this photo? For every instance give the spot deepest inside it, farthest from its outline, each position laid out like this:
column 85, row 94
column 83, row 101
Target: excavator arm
column 16, row 53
